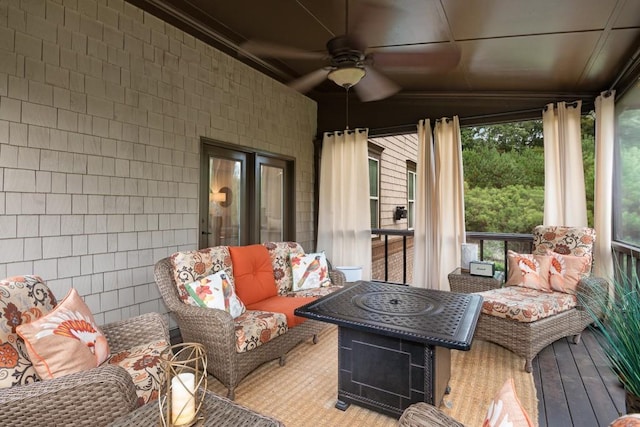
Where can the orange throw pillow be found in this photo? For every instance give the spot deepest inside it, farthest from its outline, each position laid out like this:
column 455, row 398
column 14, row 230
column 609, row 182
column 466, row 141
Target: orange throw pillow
column 566, row 271
column 253, row 273
column 66, row 340
column 506, row 409
column 529, row 271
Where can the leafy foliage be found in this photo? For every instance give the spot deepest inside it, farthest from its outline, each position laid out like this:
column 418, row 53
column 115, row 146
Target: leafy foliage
column 514, row 208
column 620, row 328
column 504, row 175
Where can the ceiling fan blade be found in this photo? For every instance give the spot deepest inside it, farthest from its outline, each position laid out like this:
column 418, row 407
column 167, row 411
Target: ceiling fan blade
column 375, row 86
column 273, row 50
column 309, row 81
column 369, row 19
column 438, row 58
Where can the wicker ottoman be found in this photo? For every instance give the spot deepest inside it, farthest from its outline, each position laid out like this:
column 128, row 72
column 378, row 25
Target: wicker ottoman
column 217, row 411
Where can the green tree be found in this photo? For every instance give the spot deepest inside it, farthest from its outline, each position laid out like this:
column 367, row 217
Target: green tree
column 504, row 136
column 504, row 175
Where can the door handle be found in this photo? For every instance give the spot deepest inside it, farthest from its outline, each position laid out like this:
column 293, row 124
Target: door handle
column 206, row 233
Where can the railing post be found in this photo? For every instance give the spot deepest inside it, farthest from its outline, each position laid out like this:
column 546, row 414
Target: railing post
column 386, row 258
column 404, row 260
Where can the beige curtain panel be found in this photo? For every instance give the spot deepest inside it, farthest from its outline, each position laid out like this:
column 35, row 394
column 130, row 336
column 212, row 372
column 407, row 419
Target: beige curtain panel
column 603, row 191
column 425, row 233
column 439, row 226
column 344, row 218
column 564, row 194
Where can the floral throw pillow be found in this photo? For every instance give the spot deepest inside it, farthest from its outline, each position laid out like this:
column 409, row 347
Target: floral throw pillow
column 506, row 410
column 566, row 271
column 22, row 300
column 66, row 340
column 529, row 271
column 309, row 271
column 216, row 291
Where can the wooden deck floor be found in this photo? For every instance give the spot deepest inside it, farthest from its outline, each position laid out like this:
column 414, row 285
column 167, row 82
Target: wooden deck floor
column 575, row 385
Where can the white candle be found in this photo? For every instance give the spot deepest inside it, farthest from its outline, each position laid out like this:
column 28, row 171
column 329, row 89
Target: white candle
column 183, row 403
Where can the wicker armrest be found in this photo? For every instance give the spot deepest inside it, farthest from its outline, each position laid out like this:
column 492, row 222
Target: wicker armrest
column 88, row 398
column 424, row 415
column 197, row 323
column 337, row 277
column 142, row 329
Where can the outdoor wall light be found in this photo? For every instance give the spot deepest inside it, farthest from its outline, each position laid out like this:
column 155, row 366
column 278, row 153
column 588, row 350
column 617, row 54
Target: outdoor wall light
column 399, row 213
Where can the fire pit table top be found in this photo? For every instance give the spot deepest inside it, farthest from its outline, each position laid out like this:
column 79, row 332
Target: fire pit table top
column 428, row 316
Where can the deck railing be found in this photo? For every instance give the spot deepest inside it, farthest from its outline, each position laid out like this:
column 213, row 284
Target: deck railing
column 494, row 247
column 625, row 259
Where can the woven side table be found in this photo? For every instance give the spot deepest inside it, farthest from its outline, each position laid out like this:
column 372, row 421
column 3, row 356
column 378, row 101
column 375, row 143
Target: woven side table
column 218, row 411
column 465, row 283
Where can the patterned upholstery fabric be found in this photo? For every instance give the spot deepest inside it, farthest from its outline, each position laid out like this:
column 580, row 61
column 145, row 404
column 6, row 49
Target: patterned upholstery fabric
column 195, row 265
column 524, row 304
column 254, row 328
column 22, row 300
column 279, row 252
column 576, row 241
column 316, row 292
column 143, row 364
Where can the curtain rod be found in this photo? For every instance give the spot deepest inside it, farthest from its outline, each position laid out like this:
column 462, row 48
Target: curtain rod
column 411, row 128
column 573, row 104
column 346, row 131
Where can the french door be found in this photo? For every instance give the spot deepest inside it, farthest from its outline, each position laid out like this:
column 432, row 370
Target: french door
column 245, row 197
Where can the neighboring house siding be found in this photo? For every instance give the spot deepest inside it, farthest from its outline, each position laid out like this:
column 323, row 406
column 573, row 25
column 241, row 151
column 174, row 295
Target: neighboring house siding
column 102, row 108
column 393, row 192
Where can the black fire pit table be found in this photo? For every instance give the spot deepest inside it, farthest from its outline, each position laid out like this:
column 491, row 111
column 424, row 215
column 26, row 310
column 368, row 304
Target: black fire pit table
column 395, row 341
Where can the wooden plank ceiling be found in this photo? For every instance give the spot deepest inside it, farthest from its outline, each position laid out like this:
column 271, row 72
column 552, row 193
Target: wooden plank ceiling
column 515, row 55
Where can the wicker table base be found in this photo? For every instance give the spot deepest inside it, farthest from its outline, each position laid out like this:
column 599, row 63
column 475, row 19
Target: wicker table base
column 465, row 283
column 217, row 411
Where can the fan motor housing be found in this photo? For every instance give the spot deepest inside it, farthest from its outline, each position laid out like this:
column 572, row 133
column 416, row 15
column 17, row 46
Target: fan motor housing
column 342, row 53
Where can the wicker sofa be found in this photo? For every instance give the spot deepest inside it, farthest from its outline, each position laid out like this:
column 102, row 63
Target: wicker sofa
column 89, row 398
column 502, row 322
column 217, row 330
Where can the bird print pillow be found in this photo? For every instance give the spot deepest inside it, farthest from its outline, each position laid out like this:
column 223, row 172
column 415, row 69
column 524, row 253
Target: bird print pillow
column 216, row 291
column 309, row 271
column 66, row 340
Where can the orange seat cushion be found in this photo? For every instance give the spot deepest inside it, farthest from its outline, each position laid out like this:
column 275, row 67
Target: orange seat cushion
column 286, row 305
column 253, row 273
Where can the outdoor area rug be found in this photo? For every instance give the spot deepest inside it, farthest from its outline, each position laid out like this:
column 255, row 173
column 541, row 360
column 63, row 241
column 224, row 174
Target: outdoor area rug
column 303, row 392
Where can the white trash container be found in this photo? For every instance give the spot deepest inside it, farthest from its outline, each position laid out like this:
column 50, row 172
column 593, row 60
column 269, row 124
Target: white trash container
column 351, row 273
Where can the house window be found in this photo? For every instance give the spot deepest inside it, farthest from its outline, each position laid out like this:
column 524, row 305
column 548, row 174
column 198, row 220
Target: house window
column 375, row 154
column 411, row 194
column 374, row 191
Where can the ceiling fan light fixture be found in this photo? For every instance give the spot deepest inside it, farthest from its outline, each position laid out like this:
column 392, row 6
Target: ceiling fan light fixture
column 347, row 77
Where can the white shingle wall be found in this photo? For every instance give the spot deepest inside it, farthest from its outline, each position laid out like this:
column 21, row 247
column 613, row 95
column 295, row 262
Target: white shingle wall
column 102, row 108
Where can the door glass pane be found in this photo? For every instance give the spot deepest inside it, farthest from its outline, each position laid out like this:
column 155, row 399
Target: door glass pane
column 224, row 202
column 271, row 204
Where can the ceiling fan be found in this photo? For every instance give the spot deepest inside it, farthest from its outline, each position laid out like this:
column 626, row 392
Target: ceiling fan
column 352, row 63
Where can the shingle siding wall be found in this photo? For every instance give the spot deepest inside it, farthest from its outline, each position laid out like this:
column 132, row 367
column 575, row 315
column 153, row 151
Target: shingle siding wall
column 393, row 192
column 102, row 108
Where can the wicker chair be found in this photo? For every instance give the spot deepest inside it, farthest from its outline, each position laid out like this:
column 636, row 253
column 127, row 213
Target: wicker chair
column 527, row 339
column 424, row 415
column 215, row 329
column 91, row 398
